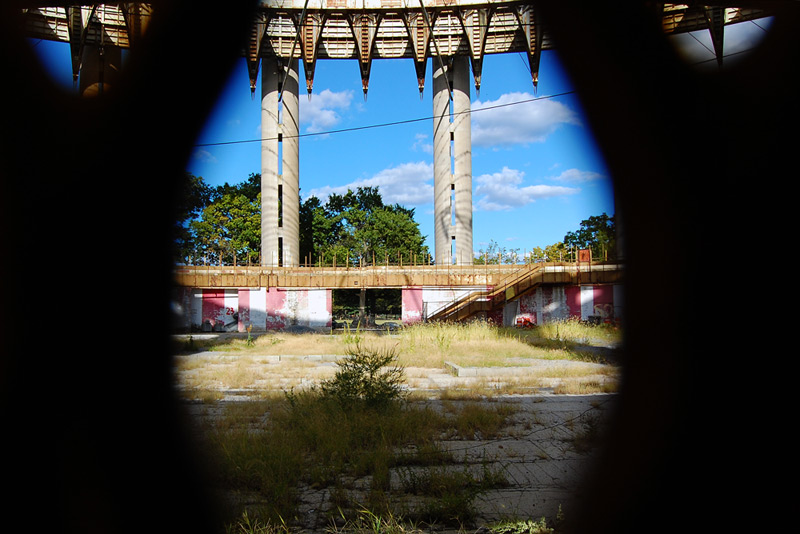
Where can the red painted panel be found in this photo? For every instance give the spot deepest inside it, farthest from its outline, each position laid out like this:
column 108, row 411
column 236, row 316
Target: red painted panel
column 214, row 306
column 573, row 296
column 604, row 302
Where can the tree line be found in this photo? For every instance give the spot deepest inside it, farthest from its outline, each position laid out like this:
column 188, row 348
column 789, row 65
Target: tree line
column 222, row 224
column 597, row 234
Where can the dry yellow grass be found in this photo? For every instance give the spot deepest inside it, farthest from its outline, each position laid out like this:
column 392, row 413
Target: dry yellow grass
column 241, row 365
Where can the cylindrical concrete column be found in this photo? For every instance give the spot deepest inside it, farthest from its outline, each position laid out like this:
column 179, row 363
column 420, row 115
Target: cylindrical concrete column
column 462, row 161
column 290, row 126
column 271, row 77
column 452, row 164
column 100, row 69
column 280, row 202
column 442, row 170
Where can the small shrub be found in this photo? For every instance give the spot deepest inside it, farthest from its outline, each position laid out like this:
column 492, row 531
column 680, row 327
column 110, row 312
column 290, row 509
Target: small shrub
column 366, row 376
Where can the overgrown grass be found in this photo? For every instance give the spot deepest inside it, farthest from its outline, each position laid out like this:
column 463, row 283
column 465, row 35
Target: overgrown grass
column 237, row 364
column 356, row 437
column 430, row 344
column 367, row 522
column 351, row 431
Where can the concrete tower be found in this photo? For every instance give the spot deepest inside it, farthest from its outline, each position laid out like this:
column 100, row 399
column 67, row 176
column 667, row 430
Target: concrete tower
column 280, row 165
column 452, row 162
column 100, row 69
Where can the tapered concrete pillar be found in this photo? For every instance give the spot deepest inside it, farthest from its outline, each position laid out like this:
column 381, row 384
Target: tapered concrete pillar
column 100, row 69
column 280, row 164
column 452, row 164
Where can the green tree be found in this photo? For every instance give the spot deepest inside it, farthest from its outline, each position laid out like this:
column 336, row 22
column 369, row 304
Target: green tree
column 210, row 221
column 315, row 230
column 222, row 223
column 494, row 254
column 597, row 233
column 250, row 188
column 228, row 230
column 192, row 196
column 357, row 228
column 554, row 252
column 391, row 235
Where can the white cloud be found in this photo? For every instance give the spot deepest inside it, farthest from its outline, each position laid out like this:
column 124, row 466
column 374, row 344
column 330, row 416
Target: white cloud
column 421, row 143
column 575, row 176
column 408, row 184
column 527, row 122
column 502, row 191
column 319, row 113
column 204, row 156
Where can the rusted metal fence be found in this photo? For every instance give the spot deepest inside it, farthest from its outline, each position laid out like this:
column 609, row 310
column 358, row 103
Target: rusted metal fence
column 384, row 276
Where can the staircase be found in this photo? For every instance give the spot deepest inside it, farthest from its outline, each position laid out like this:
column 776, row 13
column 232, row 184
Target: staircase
column 510, row 288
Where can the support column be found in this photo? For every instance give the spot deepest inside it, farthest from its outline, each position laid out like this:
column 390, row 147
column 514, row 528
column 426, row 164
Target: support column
column 100, row 69
column 452, row 163
column 442, row 172
column 462, row 161
column 280, row 163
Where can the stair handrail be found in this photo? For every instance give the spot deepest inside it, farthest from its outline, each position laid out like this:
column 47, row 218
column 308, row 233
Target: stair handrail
column 526, row 271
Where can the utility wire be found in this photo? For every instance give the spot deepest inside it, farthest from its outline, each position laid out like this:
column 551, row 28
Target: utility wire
column 385, row 124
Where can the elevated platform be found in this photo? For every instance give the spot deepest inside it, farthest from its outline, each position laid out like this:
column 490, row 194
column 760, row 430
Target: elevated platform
column 394, row 276
column 237, row 298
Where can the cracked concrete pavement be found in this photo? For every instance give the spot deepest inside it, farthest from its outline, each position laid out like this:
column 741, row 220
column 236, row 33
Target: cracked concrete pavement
column 541, row 453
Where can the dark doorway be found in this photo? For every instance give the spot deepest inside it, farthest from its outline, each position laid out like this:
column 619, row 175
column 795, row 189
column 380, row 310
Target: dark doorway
column 367, row 308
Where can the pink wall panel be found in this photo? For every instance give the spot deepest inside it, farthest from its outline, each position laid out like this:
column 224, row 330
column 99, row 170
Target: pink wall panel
column 573, row 297
column 244, row 310
column 276, row 304
column 412, row 305
column 604, row 302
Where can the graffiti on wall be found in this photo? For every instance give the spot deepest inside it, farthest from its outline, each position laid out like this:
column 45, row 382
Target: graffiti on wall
column 231, row 310
column 413, row 305
column 600, row 303
column 262, row 309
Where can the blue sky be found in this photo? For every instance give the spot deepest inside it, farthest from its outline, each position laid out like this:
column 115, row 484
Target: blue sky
column 537, row 172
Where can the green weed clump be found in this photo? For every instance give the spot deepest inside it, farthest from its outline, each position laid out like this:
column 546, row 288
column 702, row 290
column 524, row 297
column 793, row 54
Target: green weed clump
column 247, row 525
column 368, row 522
column 366, row 376
column 577, row 331
column 529, row 526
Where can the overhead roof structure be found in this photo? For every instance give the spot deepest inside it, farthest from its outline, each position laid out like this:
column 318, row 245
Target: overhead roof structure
column 364, row 30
